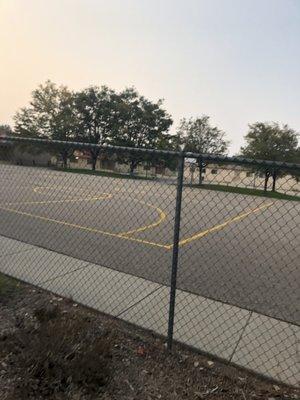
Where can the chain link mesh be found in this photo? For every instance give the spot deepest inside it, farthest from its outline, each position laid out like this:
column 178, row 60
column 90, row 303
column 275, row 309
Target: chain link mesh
column 106, row 240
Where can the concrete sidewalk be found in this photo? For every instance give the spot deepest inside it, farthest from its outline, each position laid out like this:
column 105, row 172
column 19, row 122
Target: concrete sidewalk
column 259, row 343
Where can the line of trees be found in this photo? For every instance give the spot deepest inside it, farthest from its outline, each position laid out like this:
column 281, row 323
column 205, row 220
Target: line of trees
column 264, row 141
column 270, row 141
column 97, row 115
column 100, row 115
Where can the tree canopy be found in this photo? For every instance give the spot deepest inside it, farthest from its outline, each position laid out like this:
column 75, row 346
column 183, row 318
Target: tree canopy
column 141, row 124
column 100, row 115
column 271, row 141
column 5, row 130
column 95, row 115
column 199, row 136
column 51, row 114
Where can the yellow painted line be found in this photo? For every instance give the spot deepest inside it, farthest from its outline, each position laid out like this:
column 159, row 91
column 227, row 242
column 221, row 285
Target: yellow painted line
column 58, row 188
column 103, row 196
column 162, row 217
column 37, row 188
column 125, row 235
column 84, row 228
column 220, row 226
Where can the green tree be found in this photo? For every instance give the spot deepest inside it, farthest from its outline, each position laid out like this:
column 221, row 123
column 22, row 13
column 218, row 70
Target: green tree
column 141, row 124
column 51, row 115
column 166, row 142
column 5, row 130
column 270, row 141
column 5, row 146
column 97, row 115
column 199, row 136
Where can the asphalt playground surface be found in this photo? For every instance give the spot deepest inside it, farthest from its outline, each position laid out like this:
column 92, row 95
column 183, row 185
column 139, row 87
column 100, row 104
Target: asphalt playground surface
column 238, row 249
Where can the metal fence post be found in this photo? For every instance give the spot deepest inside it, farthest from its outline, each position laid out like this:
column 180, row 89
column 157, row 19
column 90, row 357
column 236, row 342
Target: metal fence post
column 175, row 251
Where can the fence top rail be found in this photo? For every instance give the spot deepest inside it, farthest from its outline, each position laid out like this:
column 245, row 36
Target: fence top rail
column 205, row 157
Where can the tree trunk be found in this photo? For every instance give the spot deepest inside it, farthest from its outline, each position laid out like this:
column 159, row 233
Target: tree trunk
column 132, row 166
column 267, row 176
column 64, row 156
column 94, row 160
column 274, row 181
column 94, row 157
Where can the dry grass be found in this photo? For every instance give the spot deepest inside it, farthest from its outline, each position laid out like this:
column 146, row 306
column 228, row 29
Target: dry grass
column 50, row 348
column 55, row 355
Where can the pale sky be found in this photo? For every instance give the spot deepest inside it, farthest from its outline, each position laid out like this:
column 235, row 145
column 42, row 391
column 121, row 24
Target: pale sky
column 235, row 60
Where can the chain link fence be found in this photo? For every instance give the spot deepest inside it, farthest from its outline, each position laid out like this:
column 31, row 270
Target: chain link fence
column 203, row 250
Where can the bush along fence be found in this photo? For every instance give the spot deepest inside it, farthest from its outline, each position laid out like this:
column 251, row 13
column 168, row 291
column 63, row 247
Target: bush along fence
column 205, row 254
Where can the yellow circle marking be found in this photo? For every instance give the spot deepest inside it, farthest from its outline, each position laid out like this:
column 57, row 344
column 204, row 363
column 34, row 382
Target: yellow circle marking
column 161, row 213
column 162, row 217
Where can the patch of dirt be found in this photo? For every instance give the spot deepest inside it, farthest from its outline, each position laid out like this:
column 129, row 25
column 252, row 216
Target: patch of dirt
column 52, row 348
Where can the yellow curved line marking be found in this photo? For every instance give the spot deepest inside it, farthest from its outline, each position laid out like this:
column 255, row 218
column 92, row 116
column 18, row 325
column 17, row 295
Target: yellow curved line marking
column 220, row 226
column 125, row 235
column 154, row 244
column 84, row 228
column 162, row 217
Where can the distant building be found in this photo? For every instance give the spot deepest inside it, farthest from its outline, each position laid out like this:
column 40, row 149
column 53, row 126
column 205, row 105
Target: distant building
column 238, row 175
column 82, row 159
